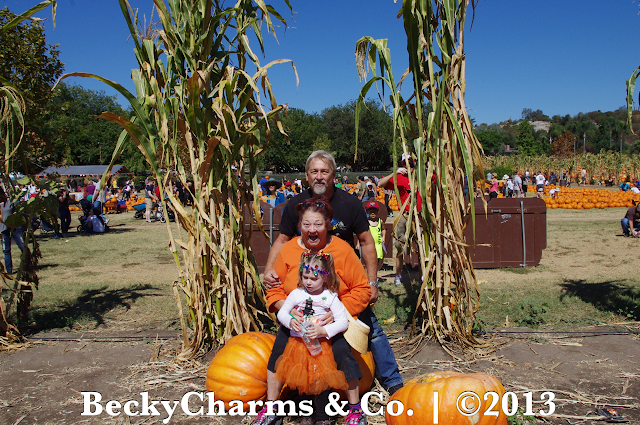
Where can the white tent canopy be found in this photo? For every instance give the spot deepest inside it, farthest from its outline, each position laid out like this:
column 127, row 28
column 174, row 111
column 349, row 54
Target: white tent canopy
column 83, row 170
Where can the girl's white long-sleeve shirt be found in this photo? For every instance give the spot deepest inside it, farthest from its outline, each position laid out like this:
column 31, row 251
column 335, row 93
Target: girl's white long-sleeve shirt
column 320, row 304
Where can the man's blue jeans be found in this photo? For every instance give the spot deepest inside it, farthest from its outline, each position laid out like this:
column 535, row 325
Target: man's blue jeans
column 626, row 225
column 6, row 246
column 387, row 370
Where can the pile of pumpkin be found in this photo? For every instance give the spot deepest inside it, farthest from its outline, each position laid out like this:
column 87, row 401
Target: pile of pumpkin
column 238, row 375
column 582, row 198
column 112, row 202
column 393, row 202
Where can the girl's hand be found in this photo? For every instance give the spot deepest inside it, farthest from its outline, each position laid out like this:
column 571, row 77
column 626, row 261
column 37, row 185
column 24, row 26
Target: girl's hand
column 316, row 331
column 295, row 325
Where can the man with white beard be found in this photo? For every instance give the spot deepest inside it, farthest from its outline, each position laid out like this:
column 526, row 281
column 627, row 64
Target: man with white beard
column 349, row 218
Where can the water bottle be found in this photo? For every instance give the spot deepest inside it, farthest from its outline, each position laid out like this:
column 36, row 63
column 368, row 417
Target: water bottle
column 313, row 345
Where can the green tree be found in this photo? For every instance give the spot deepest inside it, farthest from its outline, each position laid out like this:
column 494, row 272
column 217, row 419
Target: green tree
column 527, row 143
column 531, row 115
column 284, row 155
column 584, row 129
column 77, row 137
column 32, row 67
column 491, row 140
column 375, row 135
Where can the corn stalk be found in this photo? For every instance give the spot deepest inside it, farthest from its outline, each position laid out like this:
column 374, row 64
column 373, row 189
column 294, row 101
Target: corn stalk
column 194, row 87
column 12, row 124
column 444, row 144
column 600, row 167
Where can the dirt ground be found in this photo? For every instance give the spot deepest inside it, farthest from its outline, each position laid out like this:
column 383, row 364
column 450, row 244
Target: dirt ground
column 42, row 383
column 585, row 368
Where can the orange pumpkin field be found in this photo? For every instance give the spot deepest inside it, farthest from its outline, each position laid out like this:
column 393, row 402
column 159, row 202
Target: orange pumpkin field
column 568, row 198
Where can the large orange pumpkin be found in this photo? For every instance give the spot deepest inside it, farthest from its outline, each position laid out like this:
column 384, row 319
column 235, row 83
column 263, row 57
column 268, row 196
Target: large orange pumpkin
column 239, row 369
column 417, row 395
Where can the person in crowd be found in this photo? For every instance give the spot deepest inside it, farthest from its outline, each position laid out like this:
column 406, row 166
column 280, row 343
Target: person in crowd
column 349, row 219
column 378, row 232
column 361, row 188
column 288, row 191
column 262, row 181
column 190, row 192
column 126, row 190
column 8, row 233
column 625, row 187
column 401, row 181
column 88, row 191
column 274, row 197
column 493, row 191
column 99, row 197
column 510, row 187
column 63, row 210
column 631, row 222
column 525, row 185
column 149, row 198
column 337, row 183
column 540, row 181
column 517, row 185
column 372, row 189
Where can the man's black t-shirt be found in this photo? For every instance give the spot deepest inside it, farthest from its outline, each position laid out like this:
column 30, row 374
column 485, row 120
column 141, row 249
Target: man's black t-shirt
column 349, row 216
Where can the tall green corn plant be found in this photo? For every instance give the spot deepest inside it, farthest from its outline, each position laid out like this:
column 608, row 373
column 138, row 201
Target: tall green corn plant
column 200, row 84
column 631, row 86
column 445, row 145
column 12, row 124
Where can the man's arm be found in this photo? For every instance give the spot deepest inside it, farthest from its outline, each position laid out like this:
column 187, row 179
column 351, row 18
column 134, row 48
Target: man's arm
column 383, row 181
column 270, row 276
column 368, row 250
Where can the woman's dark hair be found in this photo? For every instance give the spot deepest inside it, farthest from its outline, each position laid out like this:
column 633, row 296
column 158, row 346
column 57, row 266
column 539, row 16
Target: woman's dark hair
column 319, row 205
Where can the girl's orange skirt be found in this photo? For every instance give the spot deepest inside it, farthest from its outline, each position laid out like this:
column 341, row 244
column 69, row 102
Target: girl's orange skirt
column 306, row 373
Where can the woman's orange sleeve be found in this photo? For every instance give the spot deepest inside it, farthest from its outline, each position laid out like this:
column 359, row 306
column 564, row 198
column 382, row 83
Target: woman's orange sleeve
column 354, row 277
column 277, row 294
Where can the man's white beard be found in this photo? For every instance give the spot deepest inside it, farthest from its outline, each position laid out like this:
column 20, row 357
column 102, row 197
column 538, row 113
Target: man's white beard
column 319, row 189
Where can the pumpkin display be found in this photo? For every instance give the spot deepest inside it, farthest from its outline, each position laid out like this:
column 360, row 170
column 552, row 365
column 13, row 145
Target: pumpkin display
column 588, row 198
column 239, row 370
column 417, row 395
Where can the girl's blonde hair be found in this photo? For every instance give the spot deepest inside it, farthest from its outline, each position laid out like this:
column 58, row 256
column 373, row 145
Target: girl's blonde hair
column 320, row 263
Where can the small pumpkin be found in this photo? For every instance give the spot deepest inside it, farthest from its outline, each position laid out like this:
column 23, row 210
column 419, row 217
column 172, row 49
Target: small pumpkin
column 239, row 370
column 417, row 395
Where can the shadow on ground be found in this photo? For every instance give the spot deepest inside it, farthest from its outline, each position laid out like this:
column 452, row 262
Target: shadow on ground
column 91, row 306
column 404, row 306
column 613, row 296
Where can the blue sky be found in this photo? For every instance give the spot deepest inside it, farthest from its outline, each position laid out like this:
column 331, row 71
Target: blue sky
column 560, row 56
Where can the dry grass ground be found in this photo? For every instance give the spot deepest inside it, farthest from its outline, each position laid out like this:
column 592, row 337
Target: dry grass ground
column 588, row 275
column 118, row 280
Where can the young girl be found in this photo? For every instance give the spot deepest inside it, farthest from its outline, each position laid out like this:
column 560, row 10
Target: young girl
column 313, row 374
